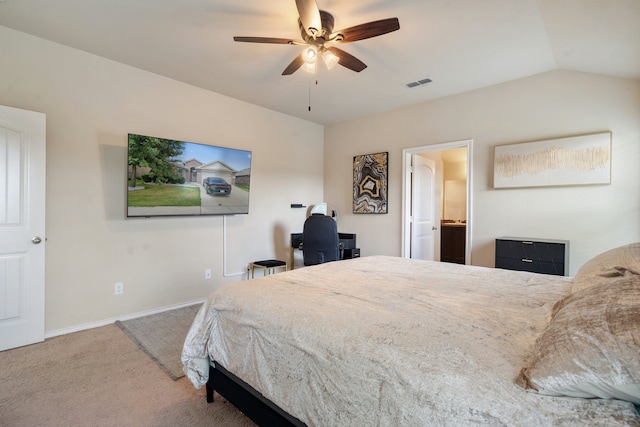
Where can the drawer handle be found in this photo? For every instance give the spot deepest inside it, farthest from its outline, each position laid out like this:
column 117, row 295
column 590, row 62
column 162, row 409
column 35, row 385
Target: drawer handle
column 526, row 260
column 527, row 243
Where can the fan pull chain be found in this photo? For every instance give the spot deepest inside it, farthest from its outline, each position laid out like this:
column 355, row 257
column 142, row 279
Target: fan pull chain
column 310, row 93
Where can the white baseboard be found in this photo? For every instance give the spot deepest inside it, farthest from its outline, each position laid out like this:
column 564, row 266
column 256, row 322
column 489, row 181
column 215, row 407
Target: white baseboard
column 105, row 322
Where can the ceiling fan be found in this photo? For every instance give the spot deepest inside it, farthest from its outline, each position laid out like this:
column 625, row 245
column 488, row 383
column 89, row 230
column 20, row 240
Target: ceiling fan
column 316, row 28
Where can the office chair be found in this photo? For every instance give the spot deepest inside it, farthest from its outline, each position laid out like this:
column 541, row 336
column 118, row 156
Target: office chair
column 320, row 242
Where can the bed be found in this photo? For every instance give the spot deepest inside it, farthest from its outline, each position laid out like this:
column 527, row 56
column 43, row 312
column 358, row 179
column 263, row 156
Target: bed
column 390, row 341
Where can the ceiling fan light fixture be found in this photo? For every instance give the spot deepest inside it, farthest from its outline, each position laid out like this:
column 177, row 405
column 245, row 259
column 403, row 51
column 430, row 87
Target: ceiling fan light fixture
column 316, row 29
column 310, row 67
column 310, row 54
column 329, row 58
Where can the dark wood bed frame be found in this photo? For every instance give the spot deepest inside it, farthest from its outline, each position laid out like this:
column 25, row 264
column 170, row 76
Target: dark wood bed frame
column 247, row 399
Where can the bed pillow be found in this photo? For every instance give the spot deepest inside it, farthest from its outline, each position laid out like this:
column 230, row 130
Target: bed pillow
column 591, row 348
column 610, row 265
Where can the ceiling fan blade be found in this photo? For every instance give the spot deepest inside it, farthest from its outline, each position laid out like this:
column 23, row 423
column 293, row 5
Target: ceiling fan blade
column 347, row 60
column 273, row 40
column 368, row 30
column 309, row 16
column 297, row 62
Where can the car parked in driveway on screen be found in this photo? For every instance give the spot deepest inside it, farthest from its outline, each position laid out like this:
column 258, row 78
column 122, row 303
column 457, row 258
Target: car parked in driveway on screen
column 215, row 185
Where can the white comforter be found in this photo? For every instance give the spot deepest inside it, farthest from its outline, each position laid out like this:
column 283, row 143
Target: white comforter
column 392, row 342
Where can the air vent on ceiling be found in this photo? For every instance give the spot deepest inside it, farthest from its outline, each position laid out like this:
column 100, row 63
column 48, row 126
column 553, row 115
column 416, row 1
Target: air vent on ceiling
column 421, row 82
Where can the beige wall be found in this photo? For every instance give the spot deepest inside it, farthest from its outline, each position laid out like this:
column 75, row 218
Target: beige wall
column 549, row 105
column 91, row 104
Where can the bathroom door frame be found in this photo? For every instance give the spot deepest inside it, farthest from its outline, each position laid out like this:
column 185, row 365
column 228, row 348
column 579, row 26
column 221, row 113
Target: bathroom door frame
column 407, row 153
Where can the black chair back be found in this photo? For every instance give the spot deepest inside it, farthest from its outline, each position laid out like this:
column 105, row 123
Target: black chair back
column 320, row 242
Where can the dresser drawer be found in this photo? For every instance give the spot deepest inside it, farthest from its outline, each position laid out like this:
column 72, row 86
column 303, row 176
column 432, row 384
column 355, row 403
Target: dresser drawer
column 530, row 265
column 537, row 256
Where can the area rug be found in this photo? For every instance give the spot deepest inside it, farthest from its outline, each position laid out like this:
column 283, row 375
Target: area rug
column 162, row 336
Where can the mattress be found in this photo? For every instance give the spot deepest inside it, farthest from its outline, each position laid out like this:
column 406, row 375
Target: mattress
column 391, row 341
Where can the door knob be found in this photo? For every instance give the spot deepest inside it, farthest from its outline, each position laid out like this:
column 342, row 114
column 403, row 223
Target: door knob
column 433, row 227
column 36, row 240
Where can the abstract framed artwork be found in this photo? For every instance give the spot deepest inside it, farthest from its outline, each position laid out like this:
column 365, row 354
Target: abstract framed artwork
column 576, row 160
column 370, row 173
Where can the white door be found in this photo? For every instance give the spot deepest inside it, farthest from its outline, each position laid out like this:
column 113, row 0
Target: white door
column 22, row 222
column 423, row 209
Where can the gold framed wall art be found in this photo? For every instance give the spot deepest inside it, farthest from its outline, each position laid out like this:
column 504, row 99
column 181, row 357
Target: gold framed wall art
column 370, row 173
column 576, row 160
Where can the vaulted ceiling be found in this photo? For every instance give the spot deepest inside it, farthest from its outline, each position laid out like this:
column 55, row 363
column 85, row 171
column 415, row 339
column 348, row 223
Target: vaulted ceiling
column 460, row 44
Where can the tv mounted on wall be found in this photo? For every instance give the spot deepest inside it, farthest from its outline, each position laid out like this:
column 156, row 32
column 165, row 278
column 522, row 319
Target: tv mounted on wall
column 179, row 178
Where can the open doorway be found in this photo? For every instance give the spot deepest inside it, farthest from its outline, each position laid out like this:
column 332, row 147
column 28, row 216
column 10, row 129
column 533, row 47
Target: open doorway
column 436, row 218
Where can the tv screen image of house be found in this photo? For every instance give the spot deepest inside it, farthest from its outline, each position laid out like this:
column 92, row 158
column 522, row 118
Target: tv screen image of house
column 179, row 178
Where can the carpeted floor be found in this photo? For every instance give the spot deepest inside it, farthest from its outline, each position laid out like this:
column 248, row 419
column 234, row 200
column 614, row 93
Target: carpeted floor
column 162, row 335
column 99, row 377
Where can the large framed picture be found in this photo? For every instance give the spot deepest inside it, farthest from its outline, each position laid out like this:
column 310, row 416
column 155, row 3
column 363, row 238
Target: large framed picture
column 370, row 173
column 576, row 160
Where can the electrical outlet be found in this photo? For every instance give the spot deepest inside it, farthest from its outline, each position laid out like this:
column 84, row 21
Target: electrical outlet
column 207, row 274
column 119, row 288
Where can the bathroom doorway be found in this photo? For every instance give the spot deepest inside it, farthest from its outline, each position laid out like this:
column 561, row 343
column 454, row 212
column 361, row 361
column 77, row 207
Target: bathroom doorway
column 437, row 198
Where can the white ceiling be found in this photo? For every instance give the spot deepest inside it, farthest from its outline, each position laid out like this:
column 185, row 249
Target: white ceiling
column 461, row 44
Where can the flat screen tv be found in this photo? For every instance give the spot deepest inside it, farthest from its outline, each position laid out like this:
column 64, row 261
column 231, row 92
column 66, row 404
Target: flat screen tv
column 179, row 178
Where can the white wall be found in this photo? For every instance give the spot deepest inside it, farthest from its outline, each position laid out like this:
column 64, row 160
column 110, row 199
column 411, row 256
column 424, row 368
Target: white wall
column 91, row 104
column 549, row 105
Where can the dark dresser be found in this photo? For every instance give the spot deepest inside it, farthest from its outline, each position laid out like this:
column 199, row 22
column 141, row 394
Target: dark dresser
column 546, row 256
